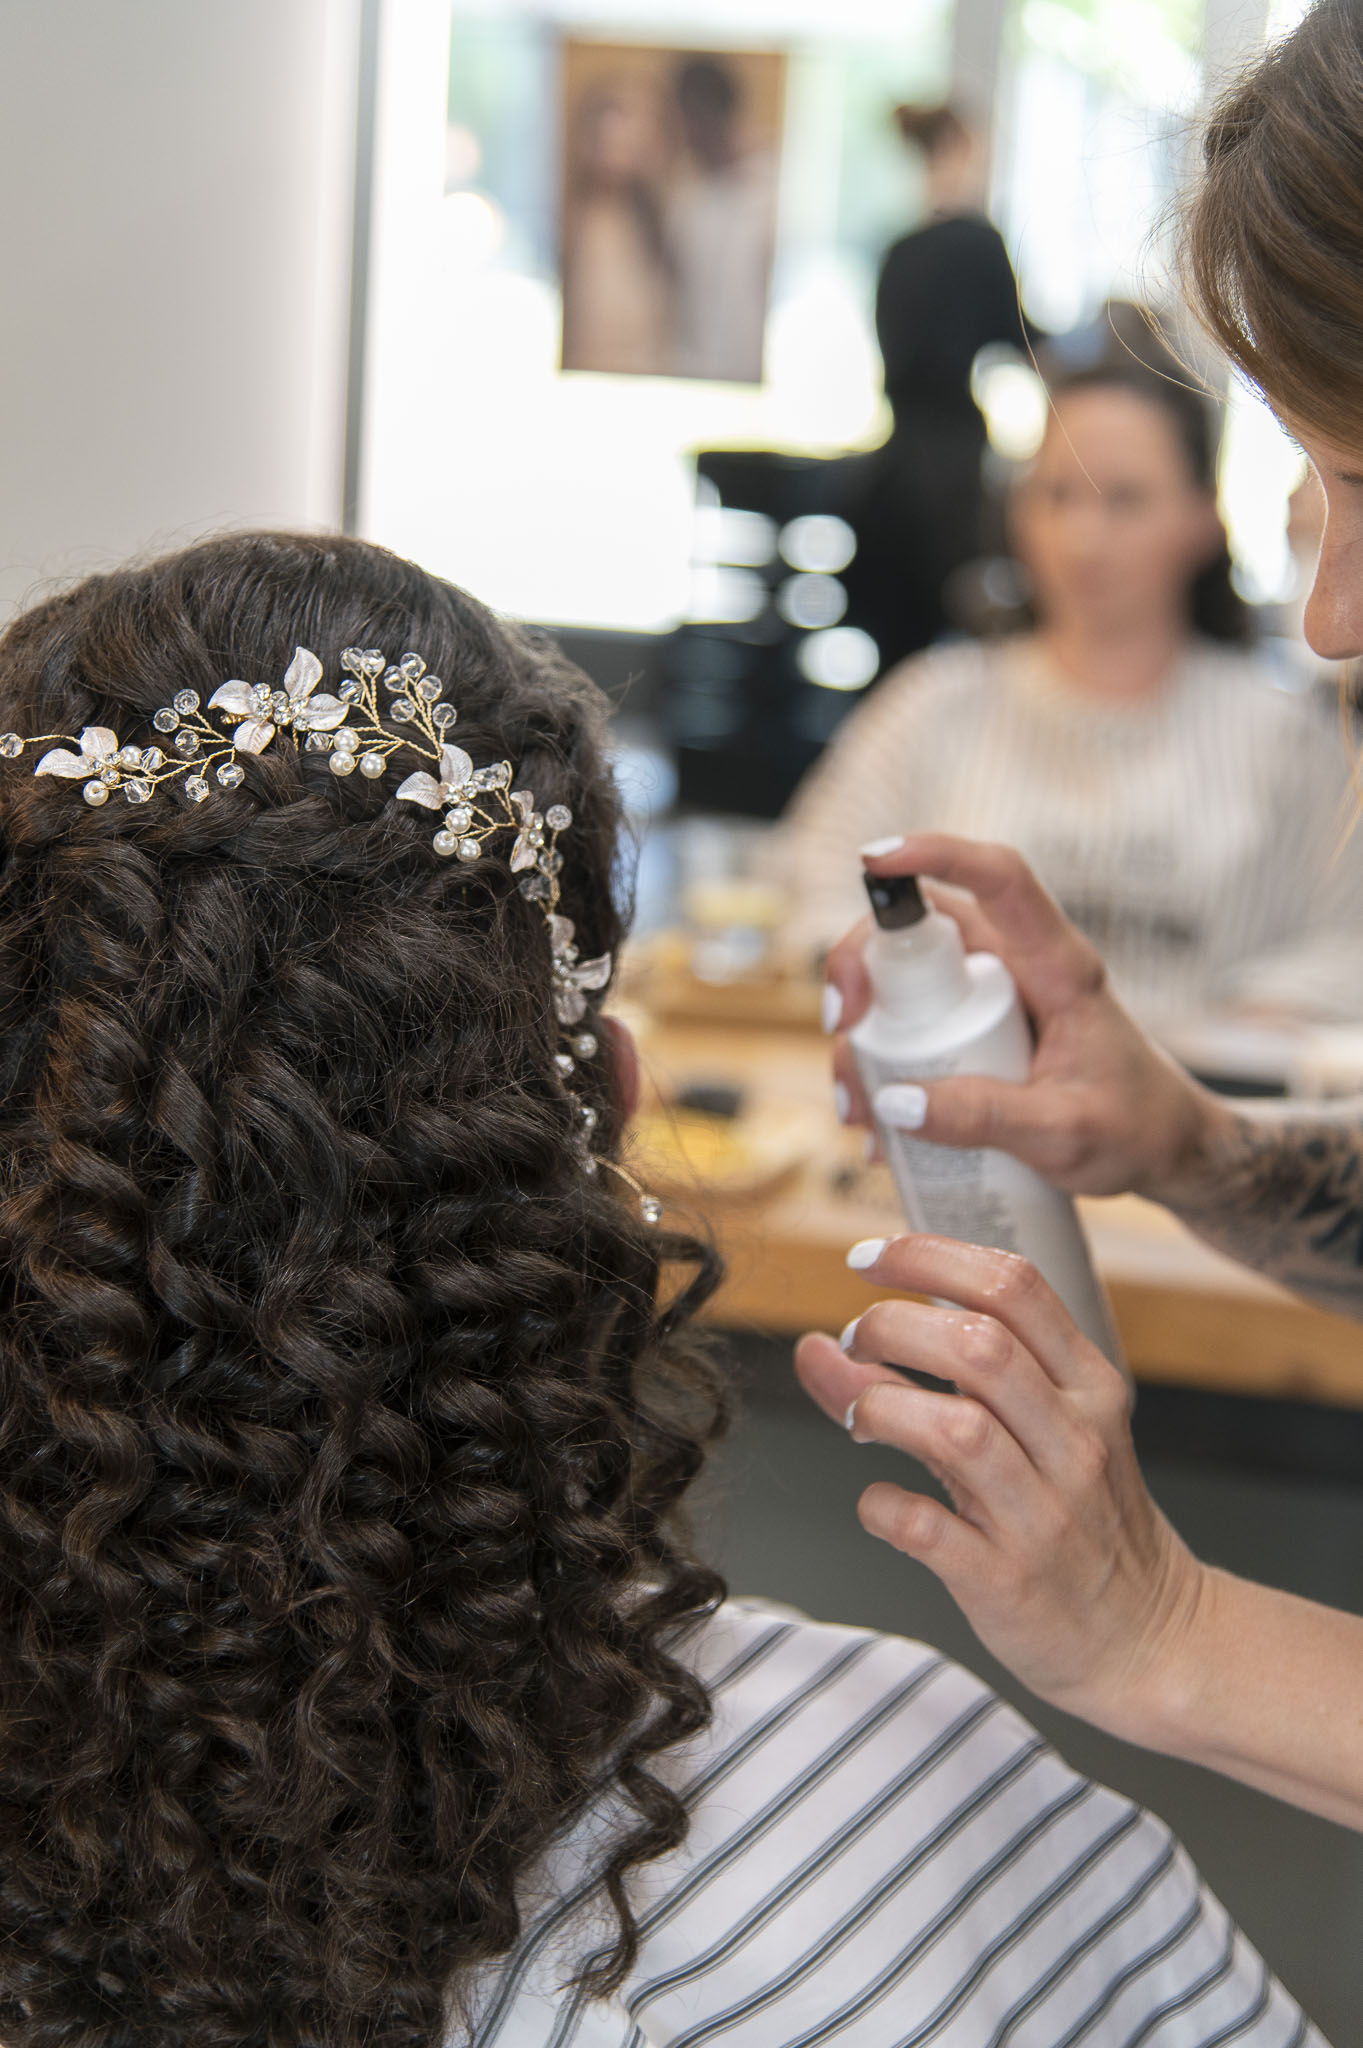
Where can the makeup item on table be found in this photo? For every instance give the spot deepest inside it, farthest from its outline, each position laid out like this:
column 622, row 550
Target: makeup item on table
column 711, row 1098
column 731, row 921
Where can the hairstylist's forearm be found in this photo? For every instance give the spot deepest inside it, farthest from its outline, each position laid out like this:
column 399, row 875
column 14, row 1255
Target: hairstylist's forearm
column 1266, row 1688
column 1280, row 1188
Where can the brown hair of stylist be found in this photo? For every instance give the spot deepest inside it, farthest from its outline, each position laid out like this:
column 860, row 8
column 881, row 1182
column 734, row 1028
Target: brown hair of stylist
column 1058, row 1556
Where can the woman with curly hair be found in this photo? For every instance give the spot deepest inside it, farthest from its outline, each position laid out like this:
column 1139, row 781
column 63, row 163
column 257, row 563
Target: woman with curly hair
column 357, row 1688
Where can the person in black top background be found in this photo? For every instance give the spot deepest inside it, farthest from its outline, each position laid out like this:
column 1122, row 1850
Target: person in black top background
column 945, row 291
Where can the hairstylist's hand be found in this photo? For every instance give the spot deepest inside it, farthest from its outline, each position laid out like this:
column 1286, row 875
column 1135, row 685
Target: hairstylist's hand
column 1056, row 1554
column 1103, row 1110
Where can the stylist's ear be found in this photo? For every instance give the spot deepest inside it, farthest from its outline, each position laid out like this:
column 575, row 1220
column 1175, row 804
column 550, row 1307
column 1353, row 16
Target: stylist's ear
column 624, row 1057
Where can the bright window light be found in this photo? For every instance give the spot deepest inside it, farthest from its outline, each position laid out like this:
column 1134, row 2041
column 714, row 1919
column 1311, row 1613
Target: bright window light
column 1283, row 16
column 1013, row 400
column 842, row 658
column 818, row 541
column 571, row 498
column 811, row 601
column 1261, row 466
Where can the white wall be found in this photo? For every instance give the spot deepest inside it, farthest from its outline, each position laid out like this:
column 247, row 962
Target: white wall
column 176, row 181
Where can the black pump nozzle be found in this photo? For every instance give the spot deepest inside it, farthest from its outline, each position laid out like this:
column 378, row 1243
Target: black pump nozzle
column 896, row 901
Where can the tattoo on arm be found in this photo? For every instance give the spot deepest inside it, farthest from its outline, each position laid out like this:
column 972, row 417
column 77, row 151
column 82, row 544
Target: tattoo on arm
column 1285, row 1196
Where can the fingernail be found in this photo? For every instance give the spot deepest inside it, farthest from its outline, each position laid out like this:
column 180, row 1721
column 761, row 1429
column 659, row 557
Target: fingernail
column 868, row 1148
column 848, row 1336
column 849, row 1419
column 874, row 848
column 842, row 1101
column 832, row 1006
column 866, row 1252
column 902, row 1105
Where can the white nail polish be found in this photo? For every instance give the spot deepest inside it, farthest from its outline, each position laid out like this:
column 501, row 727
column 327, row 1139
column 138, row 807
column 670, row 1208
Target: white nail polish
column 848, row 1337
column 849, row 1419
column 866, row 1253
column 874, row 848
column 832, row 1007
column 902, row 1105
column 842, row 1101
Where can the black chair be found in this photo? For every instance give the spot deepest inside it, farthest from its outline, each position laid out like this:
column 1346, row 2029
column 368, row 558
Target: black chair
column 753, row 693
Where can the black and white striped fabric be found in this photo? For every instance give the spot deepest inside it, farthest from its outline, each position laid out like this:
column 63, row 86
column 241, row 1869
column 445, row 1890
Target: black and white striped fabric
column 883, row 1855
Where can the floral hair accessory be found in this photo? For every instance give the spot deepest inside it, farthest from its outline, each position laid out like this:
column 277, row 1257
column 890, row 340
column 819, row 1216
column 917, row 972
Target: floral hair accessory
column 361, row 730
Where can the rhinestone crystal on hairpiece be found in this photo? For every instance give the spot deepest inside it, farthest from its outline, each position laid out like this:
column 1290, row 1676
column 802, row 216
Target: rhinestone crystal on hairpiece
column 355, row 729
column 261, row 712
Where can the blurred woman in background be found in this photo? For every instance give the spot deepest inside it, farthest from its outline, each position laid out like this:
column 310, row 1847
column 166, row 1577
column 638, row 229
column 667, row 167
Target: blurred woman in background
column 946, row 290
column 1185, row 810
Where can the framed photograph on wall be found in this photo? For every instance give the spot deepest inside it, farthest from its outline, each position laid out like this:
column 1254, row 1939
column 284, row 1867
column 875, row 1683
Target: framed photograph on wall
column 668, row 182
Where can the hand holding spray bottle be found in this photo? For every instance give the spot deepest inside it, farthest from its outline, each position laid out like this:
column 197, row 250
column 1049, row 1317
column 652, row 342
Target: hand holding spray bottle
column 938, row 1010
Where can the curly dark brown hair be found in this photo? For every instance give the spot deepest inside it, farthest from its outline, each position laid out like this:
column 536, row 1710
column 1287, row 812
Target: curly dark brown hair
column 342, row 1423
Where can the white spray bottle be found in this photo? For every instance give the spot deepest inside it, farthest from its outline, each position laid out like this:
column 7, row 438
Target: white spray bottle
column 938, row 1010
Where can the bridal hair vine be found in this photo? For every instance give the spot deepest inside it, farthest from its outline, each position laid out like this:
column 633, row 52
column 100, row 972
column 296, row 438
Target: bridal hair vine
column 360, row 731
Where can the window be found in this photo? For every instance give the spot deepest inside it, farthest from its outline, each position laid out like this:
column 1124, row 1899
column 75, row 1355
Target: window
column 570, row 497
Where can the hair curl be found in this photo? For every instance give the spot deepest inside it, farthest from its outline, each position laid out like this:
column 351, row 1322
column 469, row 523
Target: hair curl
column 341, row 1427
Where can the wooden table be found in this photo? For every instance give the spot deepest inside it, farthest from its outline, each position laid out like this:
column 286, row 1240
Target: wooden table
column 1187, row 1316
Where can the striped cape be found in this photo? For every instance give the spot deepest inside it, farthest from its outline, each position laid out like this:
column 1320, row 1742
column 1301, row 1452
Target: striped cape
column 883, row 1855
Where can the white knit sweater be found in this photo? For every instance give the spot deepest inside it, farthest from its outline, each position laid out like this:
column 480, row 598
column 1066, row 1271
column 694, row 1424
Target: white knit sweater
column 1197, row 837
